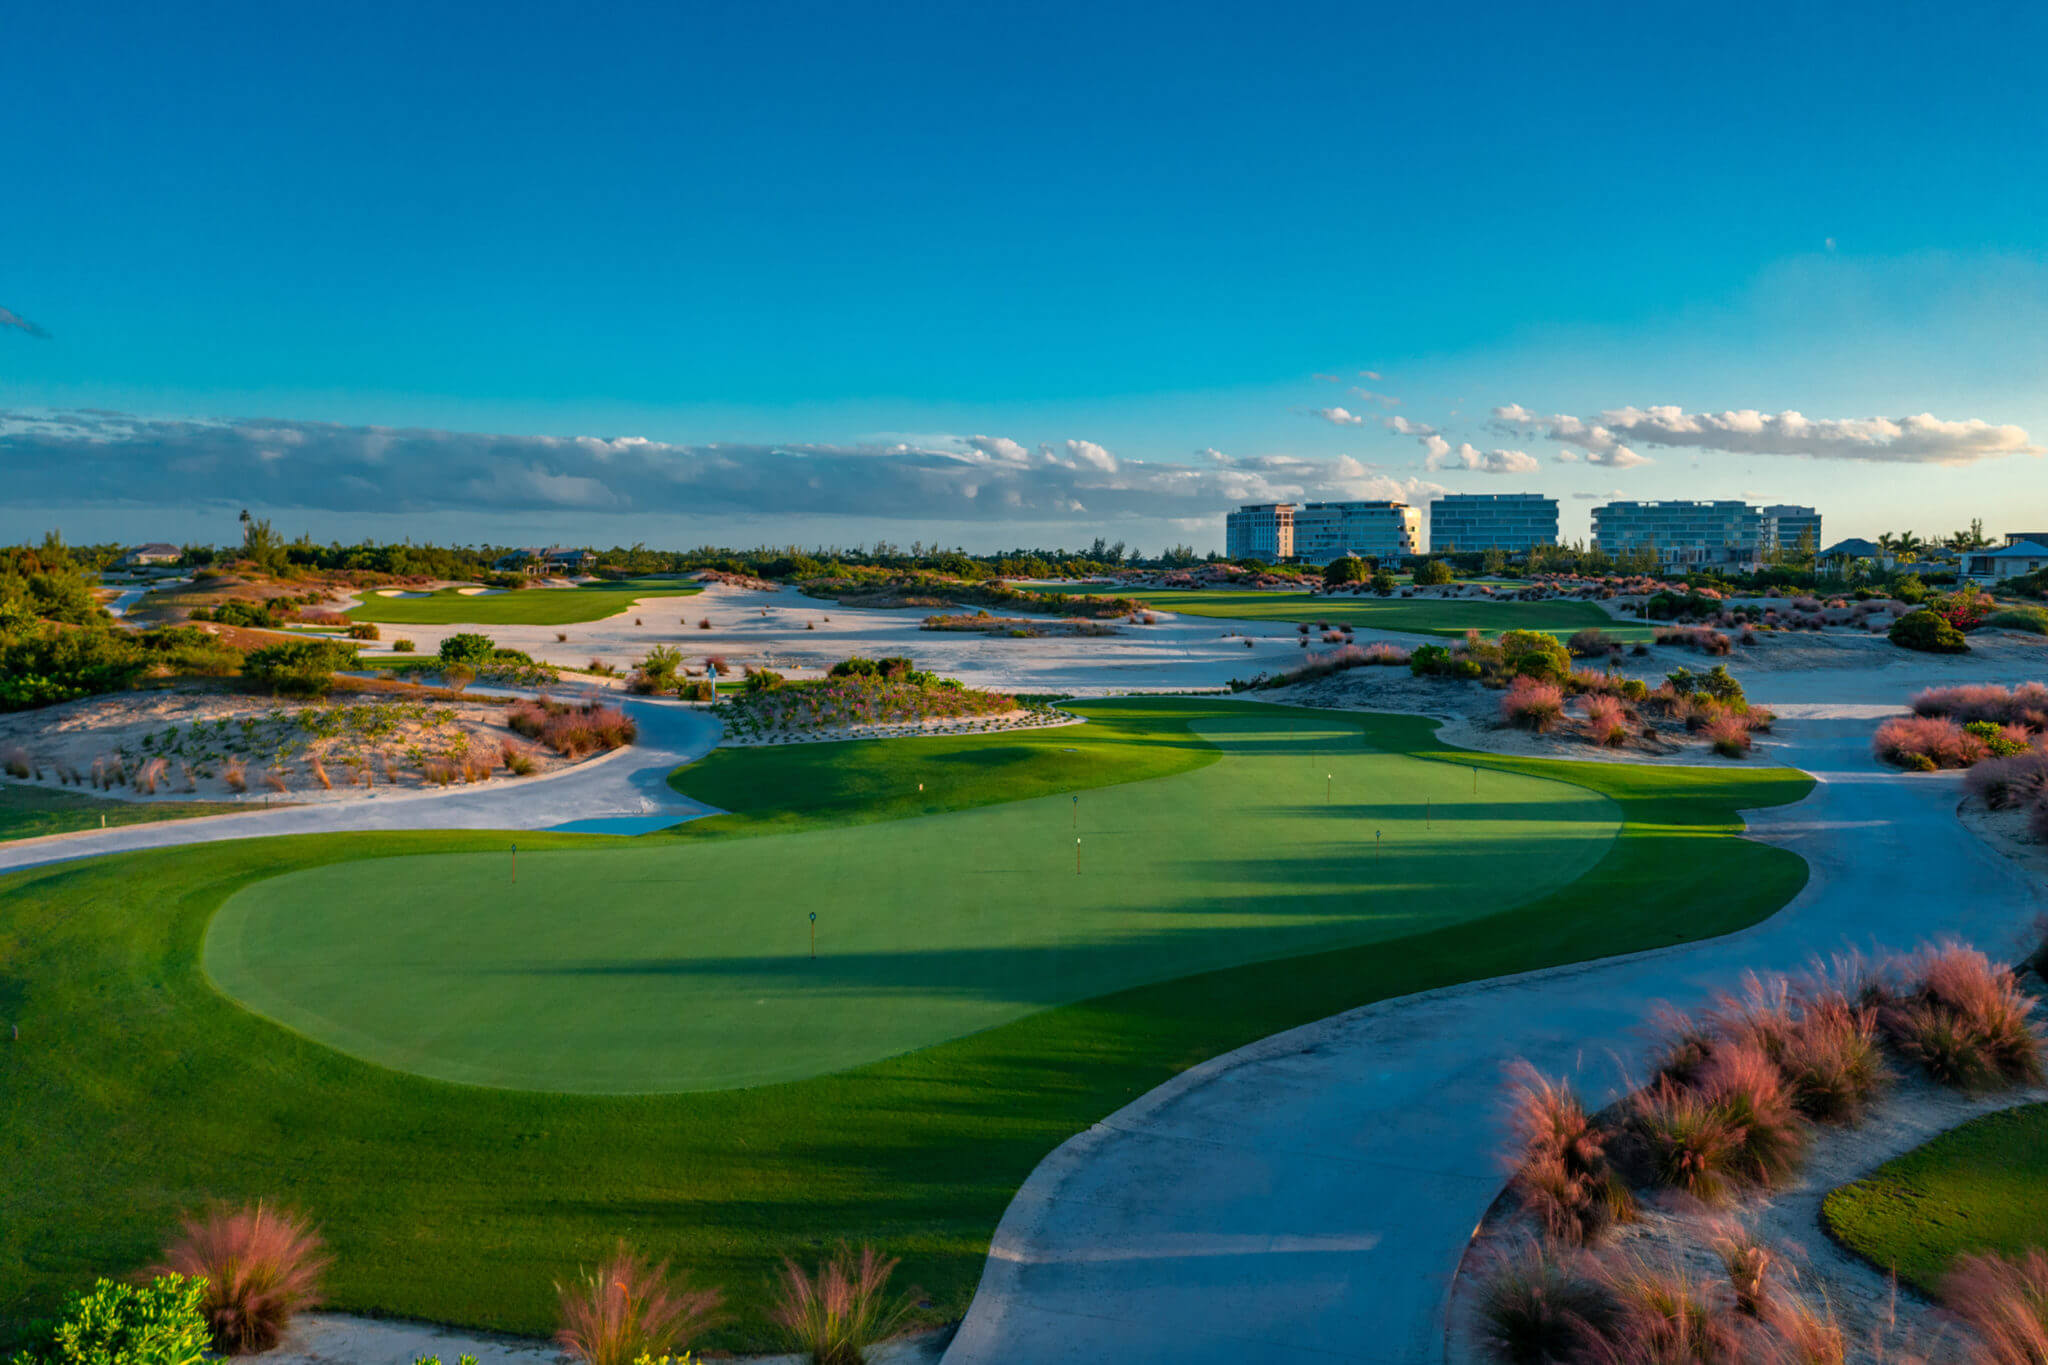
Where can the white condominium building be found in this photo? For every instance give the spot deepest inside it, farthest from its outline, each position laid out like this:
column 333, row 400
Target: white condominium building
column 1788, row 528
column 1514, row 522
column 1260, row 530
column 1324, row 531
column 1682, row 532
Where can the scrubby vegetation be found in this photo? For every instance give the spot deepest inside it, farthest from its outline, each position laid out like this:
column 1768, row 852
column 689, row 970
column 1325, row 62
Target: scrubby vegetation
column 858, row 691
column 1734, row 1101
column 1929, row 632
column 572, row 730
column 260, row 1266
column 160, row 1321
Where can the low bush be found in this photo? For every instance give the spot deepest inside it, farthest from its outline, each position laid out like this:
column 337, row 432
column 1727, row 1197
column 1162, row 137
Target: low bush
column 1832, row 1061
column 2004, row 783
column 656, row 672
column 1744, row 1084
column 260, row 1266
column 2033, row 620
column 1432, row 573
column 1532, row 705
column 1926, row 743
column 832, row 1317
column 299, row 668
column 1701, row 638
column 764, row 680
column 1323, row 664
column 2025, row 705
column 1965, row 1022
column 159, row 1322
column 468, row 648
column 1590, row 642
column 1927, row 632
column 403, row 645
column 629, row 1309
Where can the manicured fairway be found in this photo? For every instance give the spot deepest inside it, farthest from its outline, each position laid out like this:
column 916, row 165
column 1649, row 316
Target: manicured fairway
column 136, row 1091
column 30, row 812
column 686, row 966
column 1425, row 616
column 1981, row 1187
column 524, row 607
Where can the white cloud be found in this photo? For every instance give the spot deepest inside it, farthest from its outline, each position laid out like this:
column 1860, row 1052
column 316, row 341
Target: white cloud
column 1468, row 456
column 1921, row 439
column 1329, row 378
column 1340, row 417
column 1599, row 497
column 1401, row 426
column 1373, row 375
column 1385, row 400
column 112, row 460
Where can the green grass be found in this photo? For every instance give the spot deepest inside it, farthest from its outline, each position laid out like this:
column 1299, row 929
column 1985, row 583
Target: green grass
column 1980, row 1187
column 29, row 812
column 696, row 974
column 524, row 607
column 136, row 1091
column 1419, row 615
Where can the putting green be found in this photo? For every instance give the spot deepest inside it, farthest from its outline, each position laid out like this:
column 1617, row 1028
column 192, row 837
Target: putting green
column 685, row 965
column 522, row 607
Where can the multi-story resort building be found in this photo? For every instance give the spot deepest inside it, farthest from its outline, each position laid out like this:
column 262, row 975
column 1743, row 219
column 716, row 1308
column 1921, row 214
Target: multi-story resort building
column 1514, row 522
column 1791, row 530
column 1682, row 533
column 1260, row 530
column 1324, row 531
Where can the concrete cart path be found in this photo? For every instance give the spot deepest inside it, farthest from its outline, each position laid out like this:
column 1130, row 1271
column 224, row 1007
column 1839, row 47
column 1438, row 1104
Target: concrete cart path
column 1308, row 1198
column 628, row 785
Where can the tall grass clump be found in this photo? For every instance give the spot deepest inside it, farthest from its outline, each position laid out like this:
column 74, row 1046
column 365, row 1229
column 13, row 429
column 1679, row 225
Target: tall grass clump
column 2005, row 1303
column 1925, row 743
column 1562, row 1173
column 832, row 1317
column 1688, row 1142
column 630, row 1307
column 1606, row 721
column 2006, row 783
column 1729, row 736
column 1537, row 1308
column 1532, row 705
column 1769, row 1136
column 261, row 1266
column 1966, row 1022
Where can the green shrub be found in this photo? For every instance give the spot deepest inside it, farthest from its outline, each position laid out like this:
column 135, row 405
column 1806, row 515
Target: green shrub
column 697, row 689
column 1996, row 741
column 764, row 680
column 468, row 648
column 190, row 650
column 157, row 1323
column 402, row 645
column 1927, row 632
column 1349, row 569
column 251, row 615
column 365, row 630
column 1533, row 654
column 1383, row 583
column 1586, row 643
column 41, row 664
column 1432, row 573
column 1426, row 660
column 2033, row 620
column 299, row 668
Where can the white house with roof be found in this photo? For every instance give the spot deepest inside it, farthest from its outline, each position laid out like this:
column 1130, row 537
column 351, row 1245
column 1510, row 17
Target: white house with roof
column 153, row 555
column 2008, row 561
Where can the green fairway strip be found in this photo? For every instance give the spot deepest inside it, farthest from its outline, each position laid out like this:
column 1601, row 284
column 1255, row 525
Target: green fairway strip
column 686, row 966
column 1418, row 615
column 1980, row 1187
column 137, row 1092
column 522, row 607
column 30, row 812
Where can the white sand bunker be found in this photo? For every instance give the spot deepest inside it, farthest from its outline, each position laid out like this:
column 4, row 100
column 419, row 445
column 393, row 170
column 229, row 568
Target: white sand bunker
column 400, row 592
column 480, row 592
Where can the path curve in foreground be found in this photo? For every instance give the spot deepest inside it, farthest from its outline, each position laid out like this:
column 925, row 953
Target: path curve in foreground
column 1307, row 1198
column 629, row 782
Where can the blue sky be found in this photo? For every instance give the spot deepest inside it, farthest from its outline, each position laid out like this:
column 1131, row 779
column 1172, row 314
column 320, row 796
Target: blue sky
column 810, row 235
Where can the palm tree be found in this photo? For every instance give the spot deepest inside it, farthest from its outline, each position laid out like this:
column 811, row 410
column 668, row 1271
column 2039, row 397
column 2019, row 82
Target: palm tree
column 1887, row 542
column 1909, row 546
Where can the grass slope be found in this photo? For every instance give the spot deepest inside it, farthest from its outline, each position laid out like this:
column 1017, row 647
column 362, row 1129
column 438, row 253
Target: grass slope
column 1980, row 1187
column 136, row 1091
column 1424, row 616
column 525, row 607
column 689, row 969
column 30, row 812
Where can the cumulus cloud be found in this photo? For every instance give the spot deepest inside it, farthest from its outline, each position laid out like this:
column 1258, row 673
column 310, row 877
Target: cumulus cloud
column 113, row 460
column 1385, row 400
column 16, row 320
column 1340, row 417
column 1922, row 439
column 1467, row 456
column 1401, row 426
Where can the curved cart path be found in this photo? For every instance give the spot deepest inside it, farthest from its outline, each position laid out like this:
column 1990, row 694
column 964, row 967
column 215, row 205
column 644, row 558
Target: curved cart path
column 628, row 783
column 1307, row 1198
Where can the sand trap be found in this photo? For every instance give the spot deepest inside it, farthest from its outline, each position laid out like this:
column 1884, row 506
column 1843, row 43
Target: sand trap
column 400, row 592
column 480, row 592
